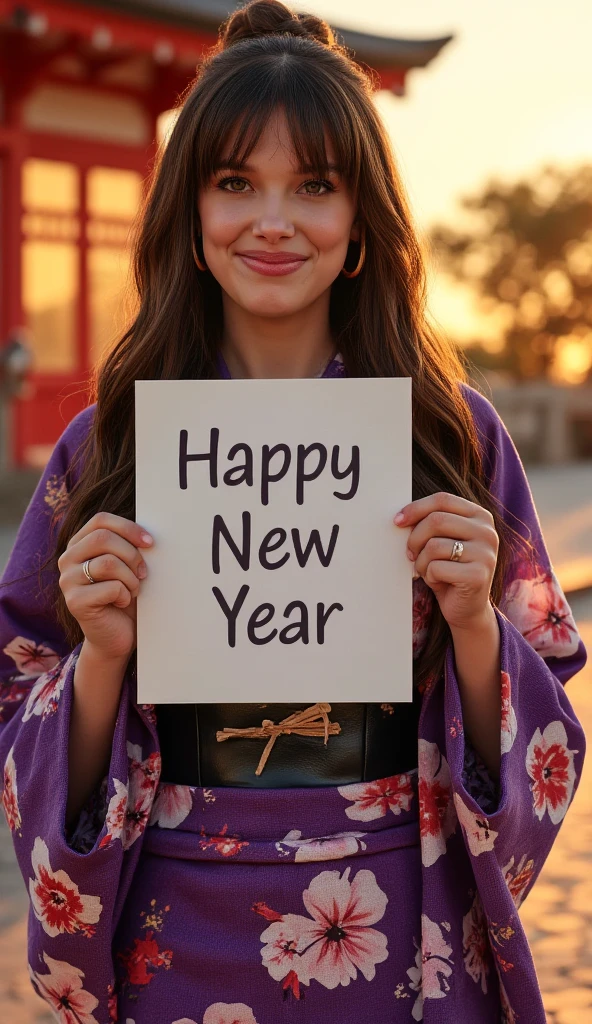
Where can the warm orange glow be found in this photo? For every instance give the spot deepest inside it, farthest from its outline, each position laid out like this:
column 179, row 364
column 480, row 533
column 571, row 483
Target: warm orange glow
column 573, row 359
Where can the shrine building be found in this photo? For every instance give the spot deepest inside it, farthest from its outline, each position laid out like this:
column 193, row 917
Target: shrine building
column 82, row 87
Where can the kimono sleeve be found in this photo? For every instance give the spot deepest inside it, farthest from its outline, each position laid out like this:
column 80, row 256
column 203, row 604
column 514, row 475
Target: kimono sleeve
column 75, row 898
column 542, row 743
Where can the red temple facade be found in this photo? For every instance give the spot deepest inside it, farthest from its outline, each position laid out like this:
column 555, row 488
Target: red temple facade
column 82, row 88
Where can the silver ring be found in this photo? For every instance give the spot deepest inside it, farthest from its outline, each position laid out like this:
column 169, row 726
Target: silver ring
column 87, row 573
column 457, row 550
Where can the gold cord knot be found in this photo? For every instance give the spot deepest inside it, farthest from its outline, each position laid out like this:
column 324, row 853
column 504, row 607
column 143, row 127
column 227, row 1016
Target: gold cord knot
column 313, row 721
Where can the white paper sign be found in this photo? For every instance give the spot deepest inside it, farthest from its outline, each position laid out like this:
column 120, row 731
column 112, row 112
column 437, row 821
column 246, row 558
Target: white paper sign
column 277, row 573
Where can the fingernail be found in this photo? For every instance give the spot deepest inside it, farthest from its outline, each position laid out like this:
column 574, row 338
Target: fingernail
column 410, row 555
column 399, row 517
column 147, row 538
column 415, row 576
column 142, row 570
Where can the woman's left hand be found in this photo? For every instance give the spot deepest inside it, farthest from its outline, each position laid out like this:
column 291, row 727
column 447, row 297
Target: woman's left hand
column 461, row 587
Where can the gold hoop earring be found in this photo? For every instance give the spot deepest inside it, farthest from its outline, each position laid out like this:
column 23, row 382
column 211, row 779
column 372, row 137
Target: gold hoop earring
column 361, row 258
column 200, row 266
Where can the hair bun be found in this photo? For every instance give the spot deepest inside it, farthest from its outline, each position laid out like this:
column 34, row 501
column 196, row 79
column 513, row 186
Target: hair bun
column 271, row 17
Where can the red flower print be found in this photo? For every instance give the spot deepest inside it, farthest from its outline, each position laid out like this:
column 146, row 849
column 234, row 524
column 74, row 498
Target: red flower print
column 518, row 878
column 171, row 805
column 31, row 658
column 9, row 794
column 227, row 846
column 56, row 900
column 509, row 724
column 476, row 952
column 479, row 836
column 436, row 812
column 62, row 989
column 44, row 697
column 538, row 609
column 433, row 966
column 115, row 817
column 227, row 1013
column 375, row 799
column 551, row 767
column 336, row 941
column 145, row 954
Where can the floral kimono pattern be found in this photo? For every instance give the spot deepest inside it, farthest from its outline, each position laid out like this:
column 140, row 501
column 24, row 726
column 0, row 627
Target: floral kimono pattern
column 392, row 901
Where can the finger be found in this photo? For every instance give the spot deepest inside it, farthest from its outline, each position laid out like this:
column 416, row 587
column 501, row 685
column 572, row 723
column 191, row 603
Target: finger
column 440, row 549
column 108, row 567
column 443, row 524
column 471, row 575
column 85, row 600
column 126, row 528
column 441, row 501
column 101, row 542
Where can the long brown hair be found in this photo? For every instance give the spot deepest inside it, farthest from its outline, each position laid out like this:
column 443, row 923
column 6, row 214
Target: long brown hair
column 268, row 57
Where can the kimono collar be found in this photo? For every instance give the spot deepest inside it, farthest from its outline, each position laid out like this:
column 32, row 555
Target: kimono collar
column 334, row 368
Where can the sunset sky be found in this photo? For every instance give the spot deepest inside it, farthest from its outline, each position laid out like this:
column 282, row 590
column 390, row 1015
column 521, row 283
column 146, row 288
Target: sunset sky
column 512, row 91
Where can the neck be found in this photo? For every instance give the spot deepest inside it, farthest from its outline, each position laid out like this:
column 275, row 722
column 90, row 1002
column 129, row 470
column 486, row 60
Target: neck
column 298, row 345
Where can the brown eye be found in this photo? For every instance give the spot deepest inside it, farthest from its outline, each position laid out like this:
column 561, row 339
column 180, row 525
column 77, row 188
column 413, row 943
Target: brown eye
column 225, row 181
column 326, row 185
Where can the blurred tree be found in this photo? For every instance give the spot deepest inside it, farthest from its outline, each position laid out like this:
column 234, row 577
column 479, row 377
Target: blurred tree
column 529, row 258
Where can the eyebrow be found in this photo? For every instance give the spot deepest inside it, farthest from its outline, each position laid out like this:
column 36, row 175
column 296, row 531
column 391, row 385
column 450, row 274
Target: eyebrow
column 236, row 165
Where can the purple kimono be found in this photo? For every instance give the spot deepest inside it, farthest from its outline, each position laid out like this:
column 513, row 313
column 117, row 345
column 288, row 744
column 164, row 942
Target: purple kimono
column 389, row 901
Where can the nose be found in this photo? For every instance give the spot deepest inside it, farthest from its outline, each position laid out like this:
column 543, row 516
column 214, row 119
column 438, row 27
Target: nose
column 273, row 224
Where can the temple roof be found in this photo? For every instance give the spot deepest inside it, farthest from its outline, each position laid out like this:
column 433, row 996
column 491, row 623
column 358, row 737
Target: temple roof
column 207, row 15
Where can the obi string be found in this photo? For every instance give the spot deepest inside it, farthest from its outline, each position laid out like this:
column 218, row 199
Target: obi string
column 313, row 721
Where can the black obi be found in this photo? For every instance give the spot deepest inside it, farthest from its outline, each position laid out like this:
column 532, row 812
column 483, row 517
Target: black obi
column 373, row 742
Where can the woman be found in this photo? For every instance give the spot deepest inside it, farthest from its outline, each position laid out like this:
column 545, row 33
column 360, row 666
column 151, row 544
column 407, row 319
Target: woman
column 175, row 878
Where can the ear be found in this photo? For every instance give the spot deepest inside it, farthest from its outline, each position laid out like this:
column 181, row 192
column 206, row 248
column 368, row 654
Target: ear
column 354, row 235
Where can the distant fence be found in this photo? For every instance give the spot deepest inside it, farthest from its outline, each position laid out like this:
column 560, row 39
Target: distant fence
column 548, row 423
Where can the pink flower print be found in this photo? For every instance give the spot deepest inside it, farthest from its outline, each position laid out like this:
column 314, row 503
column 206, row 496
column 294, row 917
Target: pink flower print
column 227, row 1013
column 56, row 900
column 551, row 767
column 62, row 989
column 31, row 658
column 518, row 878
column 115, row 817
column 509, row 724
column 144, row 774
column 375, row 799
column 9, row 794
column 227, row 846
column 44, row 697
column 342, row 844
column 476, row 944
column 339, row 939
column 286, row 940
column 436, row 811
column 171, row 805
column 538, row 609
column 422, row 610
column 143, row 780
column 479, row 835
column 433, row 966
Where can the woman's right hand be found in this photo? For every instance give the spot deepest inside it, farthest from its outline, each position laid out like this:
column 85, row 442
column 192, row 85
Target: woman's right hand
column 105, row 610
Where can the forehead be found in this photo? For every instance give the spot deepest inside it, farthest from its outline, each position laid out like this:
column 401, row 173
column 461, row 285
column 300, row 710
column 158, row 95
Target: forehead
column 275, row 145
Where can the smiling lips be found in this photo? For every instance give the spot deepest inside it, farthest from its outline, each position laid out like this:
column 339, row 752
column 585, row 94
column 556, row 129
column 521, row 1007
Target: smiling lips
column 272, row 264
